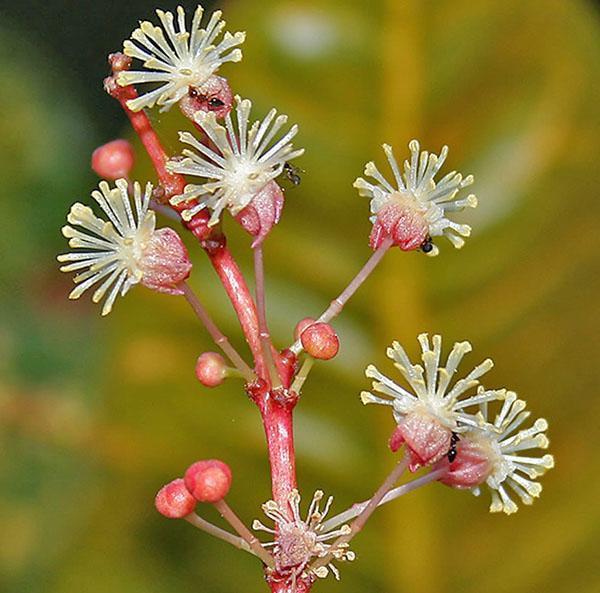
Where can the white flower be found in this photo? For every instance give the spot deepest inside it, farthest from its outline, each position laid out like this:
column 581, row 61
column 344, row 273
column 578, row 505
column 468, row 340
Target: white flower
column 180, row 60
column 418, row 197
column 299, row 540
column 432, row 394
column 503, row 444
column 247, row 158
column 113, row 248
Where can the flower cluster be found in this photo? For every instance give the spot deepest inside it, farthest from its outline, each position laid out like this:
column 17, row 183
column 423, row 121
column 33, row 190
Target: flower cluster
column 179, row 61
column 124, row 250
column 414, row 211
column 300, row 540
column 440, row 424
column 470, row 436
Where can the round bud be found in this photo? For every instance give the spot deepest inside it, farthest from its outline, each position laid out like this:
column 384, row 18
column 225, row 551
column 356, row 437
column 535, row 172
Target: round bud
column 208, row 480
column 113, row 160
column 302, row 325
column 211, row 369
column 320, row 341
column 174, row 500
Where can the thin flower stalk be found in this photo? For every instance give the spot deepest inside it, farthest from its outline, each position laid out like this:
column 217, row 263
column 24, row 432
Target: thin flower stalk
column 357, row 508
column 219, row 338
column 229, row 515
column 265, row 337
column 302, row 374
column 367, row 511
column 200, row 523
column 336, row 306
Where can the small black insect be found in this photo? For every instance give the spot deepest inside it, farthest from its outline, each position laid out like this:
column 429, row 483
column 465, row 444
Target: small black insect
column 452, row 452
column 215, row 103
column 292, row 173
column 427, row 245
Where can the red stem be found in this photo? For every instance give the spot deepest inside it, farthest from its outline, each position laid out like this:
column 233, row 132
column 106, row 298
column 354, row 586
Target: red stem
column 279, row 430
column 275, row 407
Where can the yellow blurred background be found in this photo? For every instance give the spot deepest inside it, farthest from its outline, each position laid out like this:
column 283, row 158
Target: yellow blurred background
column 96, row 414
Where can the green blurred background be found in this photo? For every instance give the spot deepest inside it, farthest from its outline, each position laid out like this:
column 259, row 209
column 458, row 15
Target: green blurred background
column 96, row 414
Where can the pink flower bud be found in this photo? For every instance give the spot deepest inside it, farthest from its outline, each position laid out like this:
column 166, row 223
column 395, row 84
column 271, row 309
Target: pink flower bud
column 427, row 441
column 401, row 222
column 113, row 160
column 214, row 95
column 302, row 325
column 208, row 480
column 174, row 501
column 211, row 369
column 320, row 341
column 165, row 262
column 263, row 212
column 470, row 467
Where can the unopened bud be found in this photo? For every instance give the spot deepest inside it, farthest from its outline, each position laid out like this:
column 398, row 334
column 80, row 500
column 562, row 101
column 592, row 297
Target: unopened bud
column 401, row 222
column 302, row 325
column 208, row 480
column 211, row 369
column 426, row 439
column 113, row 160
column 165, row 262
column 263, row 212
column 320, row 341
column 174, row 500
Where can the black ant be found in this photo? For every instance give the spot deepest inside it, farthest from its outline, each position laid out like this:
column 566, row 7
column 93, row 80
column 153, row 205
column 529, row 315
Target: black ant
column 452, row 452
column 427, row 245
column 213, row 102
column 292, row 173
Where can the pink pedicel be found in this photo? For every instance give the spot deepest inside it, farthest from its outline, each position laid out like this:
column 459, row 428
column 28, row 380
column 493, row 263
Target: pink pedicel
column 213, row 96
column 470, row 467
column 165, row 262
column 401, row 222
column 426, row 440
column 174, row 500
column 211, row 369
column 262, row 213
column 320, row 341
column 113, row 160
column 208, row 480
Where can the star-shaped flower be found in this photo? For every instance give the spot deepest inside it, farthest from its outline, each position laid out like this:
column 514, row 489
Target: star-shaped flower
column 179, row 60
column 124, row 249
column 415, row 209
column 247, row 158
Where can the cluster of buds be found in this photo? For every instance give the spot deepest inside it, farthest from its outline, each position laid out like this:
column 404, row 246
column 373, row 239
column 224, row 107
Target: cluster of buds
column 468, row 436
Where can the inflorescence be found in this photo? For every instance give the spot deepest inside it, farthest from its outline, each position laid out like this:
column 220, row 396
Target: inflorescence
column 467, row 435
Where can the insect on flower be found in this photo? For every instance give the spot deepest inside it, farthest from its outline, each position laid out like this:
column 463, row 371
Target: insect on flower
column 243, row 167
column 490, row 454
column 175, row 58
column 414, row 210
column 430, row 418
